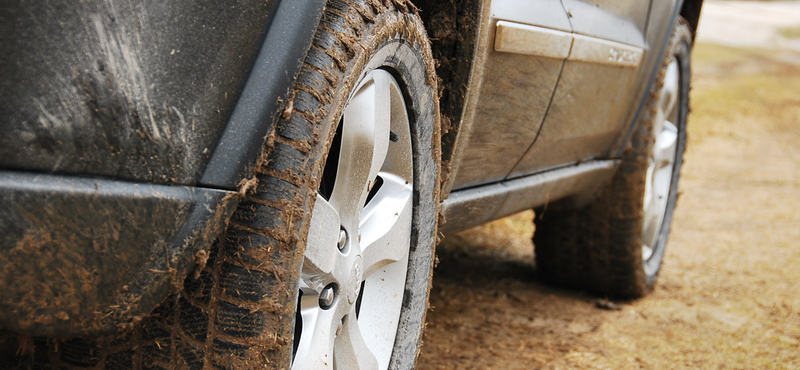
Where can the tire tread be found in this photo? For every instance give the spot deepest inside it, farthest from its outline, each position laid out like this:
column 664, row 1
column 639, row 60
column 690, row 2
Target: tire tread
column 598, row 247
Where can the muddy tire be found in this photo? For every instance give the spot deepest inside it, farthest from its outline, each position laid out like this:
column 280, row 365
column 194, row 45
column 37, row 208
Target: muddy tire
column 615, row 245
column 240, row 309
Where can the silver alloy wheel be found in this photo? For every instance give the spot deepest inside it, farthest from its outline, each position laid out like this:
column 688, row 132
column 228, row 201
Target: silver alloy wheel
column 662, row 162
column 356, row 329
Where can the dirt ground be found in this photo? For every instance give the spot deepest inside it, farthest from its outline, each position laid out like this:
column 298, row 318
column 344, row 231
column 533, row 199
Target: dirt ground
column 728, row 296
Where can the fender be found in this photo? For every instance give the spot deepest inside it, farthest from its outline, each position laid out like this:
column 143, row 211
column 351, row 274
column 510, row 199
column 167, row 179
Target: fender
column 690, row 9
column 102, row 252
column 267, row 88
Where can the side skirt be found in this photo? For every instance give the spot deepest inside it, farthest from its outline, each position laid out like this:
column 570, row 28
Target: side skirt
column 475, row 206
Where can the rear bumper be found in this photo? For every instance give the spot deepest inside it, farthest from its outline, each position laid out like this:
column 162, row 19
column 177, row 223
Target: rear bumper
column 81, row 256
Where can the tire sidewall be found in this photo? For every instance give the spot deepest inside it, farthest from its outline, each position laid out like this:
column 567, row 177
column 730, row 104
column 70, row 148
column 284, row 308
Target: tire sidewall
column 681, row 51
column 408, row 60
column 404, row 61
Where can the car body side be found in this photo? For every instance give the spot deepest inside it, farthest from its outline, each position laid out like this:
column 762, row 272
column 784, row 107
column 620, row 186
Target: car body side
column 130, row 127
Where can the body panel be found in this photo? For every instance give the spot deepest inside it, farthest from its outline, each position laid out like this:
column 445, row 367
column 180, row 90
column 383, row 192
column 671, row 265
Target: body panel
column 135, row 90
column 591, row 104
column 470, row 207
column 542, row 13
column 265, row 94
column 617, row 20
column 87, row 256
column 508, row 98
column 572, row 134
column 661, row 21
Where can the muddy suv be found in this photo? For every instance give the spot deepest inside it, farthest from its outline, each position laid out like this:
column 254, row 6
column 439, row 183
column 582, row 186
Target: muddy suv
column 261, row 184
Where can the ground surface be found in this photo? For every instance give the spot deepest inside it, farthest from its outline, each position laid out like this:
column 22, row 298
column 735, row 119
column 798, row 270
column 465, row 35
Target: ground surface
column 748, row 23
column 728, row 296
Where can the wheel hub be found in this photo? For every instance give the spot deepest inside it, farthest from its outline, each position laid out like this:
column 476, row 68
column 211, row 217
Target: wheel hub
column 661, row 162
column 359, row 236
column 327, row 296
column 354, row 286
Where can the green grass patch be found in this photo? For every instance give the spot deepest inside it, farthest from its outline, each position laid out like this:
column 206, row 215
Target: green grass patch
column 740, row 83
column 790, row 32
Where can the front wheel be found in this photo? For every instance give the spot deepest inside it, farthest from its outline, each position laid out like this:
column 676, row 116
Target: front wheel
column 327, row 261
column 615, row 246
column 367, row 263
column 357, row 253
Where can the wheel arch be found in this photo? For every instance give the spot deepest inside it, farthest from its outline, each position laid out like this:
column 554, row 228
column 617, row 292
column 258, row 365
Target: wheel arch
column 663, row 31
column 265, row 94
column 452, row 27
column 690, row 11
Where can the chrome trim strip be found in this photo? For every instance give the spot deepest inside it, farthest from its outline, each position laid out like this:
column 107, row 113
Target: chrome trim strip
column 517, row 38
column 524, row 39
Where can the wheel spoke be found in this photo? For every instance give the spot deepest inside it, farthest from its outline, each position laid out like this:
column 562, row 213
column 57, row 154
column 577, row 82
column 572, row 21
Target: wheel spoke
column 659, row 178
column 659, row 173
column 365, row 142
column 647, row 252
column 664, row 152
column 377, row 314
column 386, row 224
column 661, row 181
column 351, row 352
column 374, row 237
column 666, row 145
column 317, row 337
column 655, row 205
column 651, row 222
column 321, row 251
column 669, row 92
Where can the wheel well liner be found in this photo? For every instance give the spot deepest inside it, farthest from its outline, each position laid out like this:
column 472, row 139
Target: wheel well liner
column 690, row 11
column 452, row 27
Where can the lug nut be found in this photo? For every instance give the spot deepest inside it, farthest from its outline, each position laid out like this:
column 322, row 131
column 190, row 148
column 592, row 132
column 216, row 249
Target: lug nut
column 342, row 239
column 326, row 297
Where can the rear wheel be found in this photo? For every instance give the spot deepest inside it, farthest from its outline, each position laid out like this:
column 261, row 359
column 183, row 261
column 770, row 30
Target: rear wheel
column 615, row 246
column 327, row 261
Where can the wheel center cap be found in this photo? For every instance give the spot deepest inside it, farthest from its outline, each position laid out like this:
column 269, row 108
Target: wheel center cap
column 354, row 285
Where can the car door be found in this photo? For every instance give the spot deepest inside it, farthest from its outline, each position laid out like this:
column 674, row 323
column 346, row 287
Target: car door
column 510, row 89
column 596, row 93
